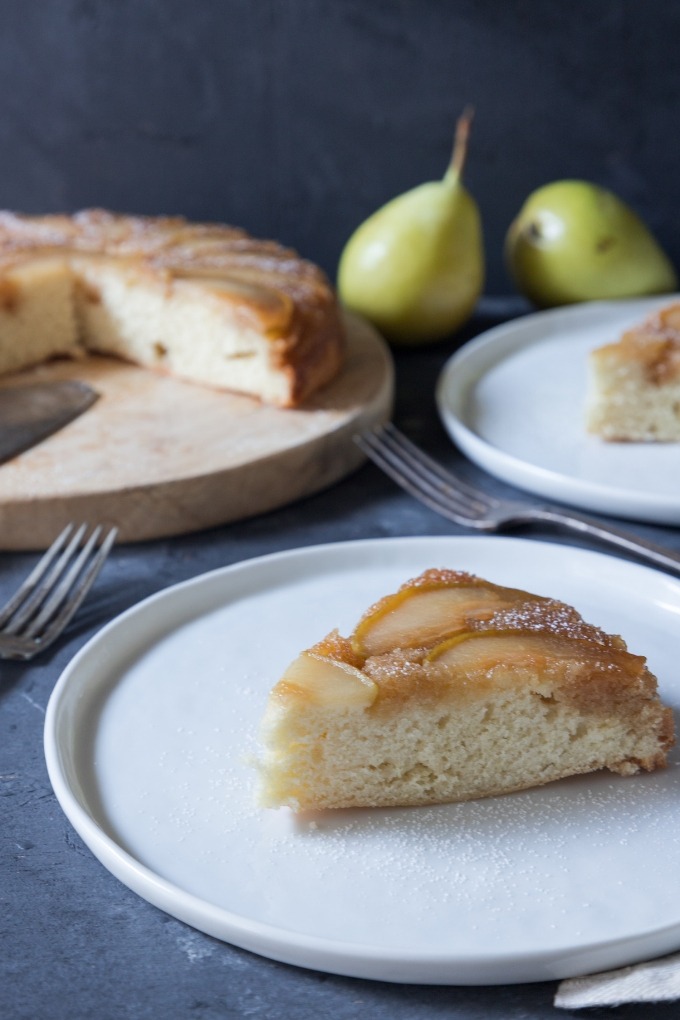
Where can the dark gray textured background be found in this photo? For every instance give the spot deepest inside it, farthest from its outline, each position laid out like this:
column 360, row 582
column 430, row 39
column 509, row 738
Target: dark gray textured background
column 297, row 118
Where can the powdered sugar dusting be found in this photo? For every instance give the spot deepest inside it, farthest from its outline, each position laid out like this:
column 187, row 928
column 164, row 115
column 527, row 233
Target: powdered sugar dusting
column 500, row 855
column 547, row 615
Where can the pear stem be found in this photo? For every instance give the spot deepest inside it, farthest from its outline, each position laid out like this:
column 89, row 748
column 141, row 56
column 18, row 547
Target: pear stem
column 460, row 146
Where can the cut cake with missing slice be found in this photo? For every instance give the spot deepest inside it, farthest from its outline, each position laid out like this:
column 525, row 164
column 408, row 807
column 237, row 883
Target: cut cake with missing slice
column 206, row 303
column 452, row 689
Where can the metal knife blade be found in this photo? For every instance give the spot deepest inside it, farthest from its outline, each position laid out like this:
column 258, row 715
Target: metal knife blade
column 29, row 414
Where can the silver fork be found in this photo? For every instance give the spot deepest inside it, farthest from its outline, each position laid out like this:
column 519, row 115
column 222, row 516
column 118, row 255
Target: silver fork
column 42, row 607
column 458, row 501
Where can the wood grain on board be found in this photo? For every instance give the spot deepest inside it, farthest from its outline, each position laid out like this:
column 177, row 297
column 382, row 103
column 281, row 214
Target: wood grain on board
column 159, row 457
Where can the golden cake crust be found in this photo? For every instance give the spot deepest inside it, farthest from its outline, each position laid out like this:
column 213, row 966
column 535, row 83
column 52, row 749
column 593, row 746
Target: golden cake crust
column 654, row 345
column 404, row 674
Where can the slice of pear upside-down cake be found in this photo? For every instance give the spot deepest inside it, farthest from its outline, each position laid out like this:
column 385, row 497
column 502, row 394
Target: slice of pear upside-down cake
column 454, row 688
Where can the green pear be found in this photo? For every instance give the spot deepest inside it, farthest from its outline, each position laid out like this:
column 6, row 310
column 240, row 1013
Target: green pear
column 575, row 241
column 415, row 268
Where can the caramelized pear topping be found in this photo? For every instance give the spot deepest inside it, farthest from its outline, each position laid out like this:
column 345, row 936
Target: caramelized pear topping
column 486, row 649
column 445, row 629
column 322, row 681
column 425, row 611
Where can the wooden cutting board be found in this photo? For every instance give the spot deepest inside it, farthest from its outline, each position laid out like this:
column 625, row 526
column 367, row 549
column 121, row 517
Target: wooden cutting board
column 159, row 457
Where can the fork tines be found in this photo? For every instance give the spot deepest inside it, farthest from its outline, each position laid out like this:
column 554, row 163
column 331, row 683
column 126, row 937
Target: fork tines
column 53, row 591
column 422, row 476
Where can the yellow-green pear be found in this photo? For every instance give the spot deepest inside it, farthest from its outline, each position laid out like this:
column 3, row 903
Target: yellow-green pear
column 415, row 268
column 575, row 241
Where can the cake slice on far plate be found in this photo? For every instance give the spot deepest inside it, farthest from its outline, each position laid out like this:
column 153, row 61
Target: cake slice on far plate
column 634, row 383
column 454, row 688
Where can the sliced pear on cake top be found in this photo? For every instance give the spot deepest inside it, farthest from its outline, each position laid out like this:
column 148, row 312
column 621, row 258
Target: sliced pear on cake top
column 486, row 649
column 319, row 680
column 428, row 609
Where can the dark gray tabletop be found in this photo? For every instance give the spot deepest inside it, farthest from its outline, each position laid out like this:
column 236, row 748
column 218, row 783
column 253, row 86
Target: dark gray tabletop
column 76, row 943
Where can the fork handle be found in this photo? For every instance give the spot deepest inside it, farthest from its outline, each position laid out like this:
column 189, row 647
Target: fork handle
column 582, row 525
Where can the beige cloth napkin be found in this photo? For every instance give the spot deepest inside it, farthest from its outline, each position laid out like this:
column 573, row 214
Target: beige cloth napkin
column 652, row 981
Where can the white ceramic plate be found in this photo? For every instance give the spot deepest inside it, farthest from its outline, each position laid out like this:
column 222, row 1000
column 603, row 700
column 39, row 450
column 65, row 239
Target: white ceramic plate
column 513, row 401
column 149, row 739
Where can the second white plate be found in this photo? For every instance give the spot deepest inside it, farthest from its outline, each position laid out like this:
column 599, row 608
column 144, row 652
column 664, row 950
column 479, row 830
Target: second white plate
column 513, row 401
column 149, row 738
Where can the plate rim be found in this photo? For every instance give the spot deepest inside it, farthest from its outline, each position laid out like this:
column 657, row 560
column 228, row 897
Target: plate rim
column 275, row 942
column 469, row 364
